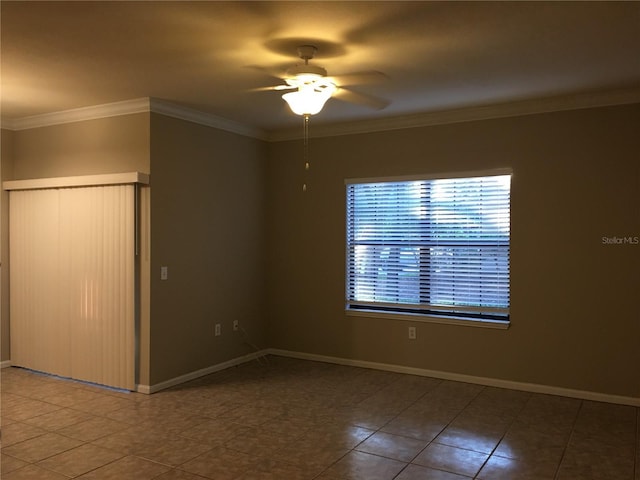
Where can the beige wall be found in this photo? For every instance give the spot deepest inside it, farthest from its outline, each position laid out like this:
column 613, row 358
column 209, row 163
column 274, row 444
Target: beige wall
column 6, row 173
column 575, row 320
column 106, row 145
column 207, row 227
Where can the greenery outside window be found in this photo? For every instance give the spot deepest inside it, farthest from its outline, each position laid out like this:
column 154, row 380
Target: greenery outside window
column 432, row 247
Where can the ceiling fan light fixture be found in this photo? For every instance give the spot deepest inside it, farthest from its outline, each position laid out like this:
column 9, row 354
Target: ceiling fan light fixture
column 305, row 103
column 309, row 98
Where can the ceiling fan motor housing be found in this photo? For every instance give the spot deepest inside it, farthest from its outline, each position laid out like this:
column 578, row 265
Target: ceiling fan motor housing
column 300, row 70
column 306, row 53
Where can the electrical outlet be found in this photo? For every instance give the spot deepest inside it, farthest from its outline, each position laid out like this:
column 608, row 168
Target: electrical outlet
column 218, row 330
column 412, row 333
column 236, row 325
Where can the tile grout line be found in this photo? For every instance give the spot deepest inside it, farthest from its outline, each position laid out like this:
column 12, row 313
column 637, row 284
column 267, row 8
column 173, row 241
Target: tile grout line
column 566, row 445
column 379, row 430
column 515, row 417
column 451, row 421
column 441, row 430
column 400, row 413
column 38, row 463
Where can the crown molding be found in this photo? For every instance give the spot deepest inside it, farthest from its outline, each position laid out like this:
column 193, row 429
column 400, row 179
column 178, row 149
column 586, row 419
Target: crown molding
column 191, row 115
column 128, row 107
column 487, row 112
column 114, row 109
column 443, row 117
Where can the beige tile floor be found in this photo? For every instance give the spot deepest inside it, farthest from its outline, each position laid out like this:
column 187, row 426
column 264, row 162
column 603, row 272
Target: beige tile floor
column 291, row 419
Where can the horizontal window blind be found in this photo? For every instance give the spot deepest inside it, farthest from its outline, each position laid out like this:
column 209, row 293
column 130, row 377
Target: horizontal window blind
column 430, row 246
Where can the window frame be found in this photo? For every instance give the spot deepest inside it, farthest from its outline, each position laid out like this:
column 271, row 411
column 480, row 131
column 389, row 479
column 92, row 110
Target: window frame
column 419, row 314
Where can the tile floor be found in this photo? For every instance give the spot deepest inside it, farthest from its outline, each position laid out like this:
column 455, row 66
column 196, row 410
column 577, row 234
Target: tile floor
column 290, row 419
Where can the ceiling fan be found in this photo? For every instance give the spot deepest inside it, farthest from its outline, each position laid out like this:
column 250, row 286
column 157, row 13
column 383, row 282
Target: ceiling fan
column 312, row 87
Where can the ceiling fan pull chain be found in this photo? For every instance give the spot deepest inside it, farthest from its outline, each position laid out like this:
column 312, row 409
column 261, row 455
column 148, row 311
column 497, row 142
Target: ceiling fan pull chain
column 305, row 136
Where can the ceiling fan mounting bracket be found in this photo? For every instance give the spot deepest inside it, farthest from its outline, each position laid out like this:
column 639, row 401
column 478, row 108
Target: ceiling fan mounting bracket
column 306, row 72
column 307, row 52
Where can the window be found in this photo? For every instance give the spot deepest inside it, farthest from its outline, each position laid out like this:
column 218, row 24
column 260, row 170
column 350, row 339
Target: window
column 430, row 247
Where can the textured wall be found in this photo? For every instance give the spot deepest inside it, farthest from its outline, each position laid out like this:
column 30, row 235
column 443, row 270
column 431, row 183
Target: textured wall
column 574, row 318
column 106, row 145
column 207, row 227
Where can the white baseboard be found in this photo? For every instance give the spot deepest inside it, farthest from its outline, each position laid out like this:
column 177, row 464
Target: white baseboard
column 458, row 377
column 148, row 389
column 489, row 382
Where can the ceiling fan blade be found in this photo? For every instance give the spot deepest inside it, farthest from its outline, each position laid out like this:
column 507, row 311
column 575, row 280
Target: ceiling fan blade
column 359, row 98
column 275, row 72
column 274, row 87
column 371, row 76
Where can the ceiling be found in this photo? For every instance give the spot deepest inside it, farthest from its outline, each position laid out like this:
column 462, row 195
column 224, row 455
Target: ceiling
column 435, row 56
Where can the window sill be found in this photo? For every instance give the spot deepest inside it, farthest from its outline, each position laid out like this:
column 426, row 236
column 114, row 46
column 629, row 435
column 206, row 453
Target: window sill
column 430, row 318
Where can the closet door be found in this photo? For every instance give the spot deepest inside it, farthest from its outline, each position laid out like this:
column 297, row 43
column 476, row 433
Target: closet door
column 72, row 282
column 39, row 336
